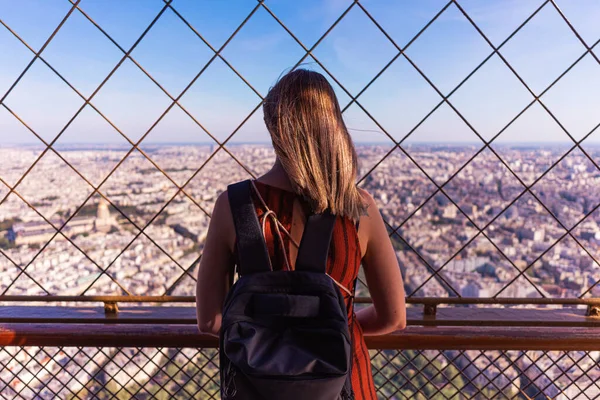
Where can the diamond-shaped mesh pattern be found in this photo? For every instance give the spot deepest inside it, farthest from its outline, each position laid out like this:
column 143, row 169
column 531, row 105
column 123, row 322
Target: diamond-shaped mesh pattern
column 502, row 201
column 89, row 372
column 479, row 220
column 103, row 373
column 485, row 374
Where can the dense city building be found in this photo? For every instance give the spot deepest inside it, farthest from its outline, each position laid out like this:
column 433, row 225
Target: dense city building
column 474, row 230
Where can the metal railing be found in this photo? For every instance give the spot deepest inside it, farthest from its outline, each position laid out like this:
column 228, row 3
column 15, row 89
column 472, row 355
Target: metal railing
column 123, row 373
column 451, row 352
column 118, row 372
column 94, row 360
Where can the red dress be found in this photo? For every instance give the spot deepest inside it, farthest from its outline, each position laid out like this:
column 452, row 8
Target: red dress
column 343, row 265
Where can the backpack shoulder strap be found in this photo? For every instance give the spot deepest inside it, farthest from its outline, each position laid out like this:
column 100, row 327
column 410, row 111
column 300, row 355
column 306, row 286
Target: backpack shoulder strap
column 252, row 254
column 314, row 245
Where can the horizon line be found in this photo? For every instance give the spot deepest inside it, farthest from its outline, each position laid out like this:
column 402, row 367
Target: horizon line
column 67, row 146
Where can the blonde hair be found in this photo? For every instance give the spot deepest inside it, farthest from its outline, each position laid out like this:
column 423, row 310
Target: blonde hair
column 312, row 142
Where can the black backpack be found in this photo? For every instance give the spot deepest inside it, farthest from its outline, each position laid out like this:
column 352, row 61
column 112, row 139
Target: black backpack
column 284, row 334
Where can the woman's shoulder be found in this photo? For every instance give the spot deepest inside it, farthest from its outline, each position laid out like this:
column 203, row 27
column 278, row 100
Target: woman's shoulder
column 367, row 198
column 222, row 218
column 370, row 206
column 366, row 220
column 221, row 209
column 222, row 202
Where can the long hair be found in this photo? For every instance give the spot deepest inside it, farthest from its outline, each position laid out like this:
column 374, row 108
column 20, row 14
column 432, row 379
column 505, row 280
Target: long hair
column 312, row 142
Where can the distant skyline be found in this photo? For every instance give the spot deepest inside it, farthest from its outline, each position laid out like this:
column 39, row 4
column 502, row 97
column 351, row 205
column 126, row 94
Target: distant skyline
column 145, row 145
column 354, row 52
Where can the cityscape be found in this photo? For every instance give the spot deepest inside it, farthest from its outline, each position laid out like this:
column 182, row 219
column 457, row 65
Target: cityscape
column 472, row 231
column 139, row 234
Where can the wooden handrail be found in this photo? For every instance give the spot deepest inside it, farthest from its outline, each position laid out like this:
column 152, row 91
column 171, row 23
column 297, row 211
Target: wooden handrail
column 592, row 301
column 416, row 316
column 414, row 337
column 458, row 328
column 490, row 338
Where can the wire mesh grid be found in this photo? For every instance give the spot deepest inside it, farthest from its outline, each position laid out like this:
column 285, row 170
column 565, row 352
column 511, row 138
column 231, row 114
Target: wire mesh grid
column 177, row 190
column 63, row 372
column 485, row 374
column 72, row 373
column 123, row 373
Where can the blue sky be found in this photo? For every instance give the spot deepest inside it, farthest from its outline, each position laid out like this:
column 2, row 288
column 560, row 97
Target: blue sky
column 354, row 52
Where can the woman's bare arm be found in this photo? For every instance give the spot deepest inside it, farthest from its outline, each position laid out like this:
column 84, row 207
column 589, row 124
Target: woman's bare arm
column 215, row 266
column 388, row 312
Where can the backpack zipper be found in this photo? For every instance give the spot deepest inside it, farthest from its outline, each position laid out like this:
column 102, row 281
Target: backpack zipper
column 229, row 388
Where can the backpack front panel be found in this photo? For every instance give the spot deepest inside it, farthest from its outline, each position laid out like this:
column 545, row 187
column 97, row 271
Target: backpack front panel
column 285, row 335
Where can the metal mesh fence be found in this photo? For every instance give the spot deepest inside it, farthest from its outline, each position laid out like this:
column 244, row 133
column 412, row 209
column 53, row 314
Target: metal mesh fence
column 516, row 209
column 164, row 373
column 478, row 220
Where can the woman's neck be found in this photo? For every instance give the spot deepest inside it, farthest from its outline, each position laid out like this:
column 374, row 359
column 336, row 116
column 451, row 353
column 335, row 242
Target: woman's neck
column 277, row 177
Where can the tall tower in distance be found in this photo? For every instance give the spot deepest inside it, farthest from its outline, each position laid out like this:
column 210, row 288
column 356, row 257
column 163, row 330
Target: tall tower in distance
column 104, row 221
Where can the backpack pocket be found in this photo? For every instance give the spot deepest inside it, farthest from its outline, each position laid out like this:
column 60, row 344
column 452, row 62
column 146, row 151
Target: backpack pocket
column 284, row 305
column 293, row 352
column 285, row 336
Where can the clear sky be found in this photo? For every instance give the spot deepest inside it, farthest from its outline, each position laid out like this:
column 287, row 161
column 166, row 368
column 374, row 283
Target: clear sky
column 354, row 52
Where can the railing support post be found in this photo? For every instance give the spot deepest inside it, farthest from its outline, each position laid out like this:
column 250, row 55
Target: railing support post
column 593, row 310
column 110, row 307
column 430, row 309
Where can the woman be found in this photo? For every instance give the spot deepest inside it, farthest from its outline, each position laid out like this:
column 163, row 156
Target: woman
column 315, row 170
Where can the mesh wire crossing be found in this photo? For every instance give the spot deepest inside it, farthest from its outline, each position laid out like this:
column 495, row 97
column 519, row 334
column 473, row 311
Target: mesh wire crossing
column 185, row 373
column 309, row 54
column 144, row 373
